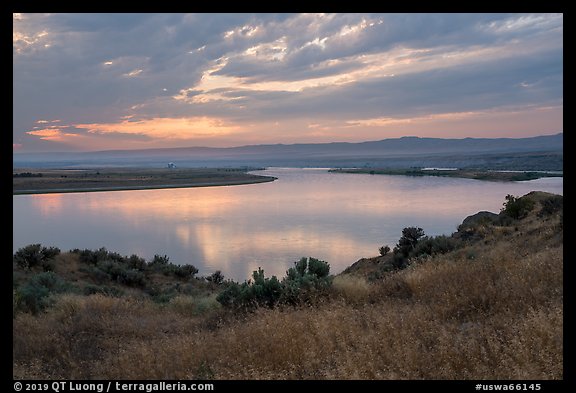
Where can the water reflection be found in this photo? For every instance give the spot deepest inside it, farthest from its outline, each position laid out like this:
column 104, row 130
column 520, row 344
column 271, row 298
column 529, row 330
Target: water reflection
column 48, row 204
column 336, row 217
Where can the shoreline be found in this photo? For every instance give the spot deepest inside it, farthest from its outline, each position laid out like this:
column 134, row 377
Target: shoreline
column 487, row 175
column 52, row 181
column 266, row 179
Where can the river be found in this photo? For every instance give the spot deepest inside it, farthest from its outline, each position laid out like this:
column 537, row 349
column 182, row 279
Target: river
column 335, row 217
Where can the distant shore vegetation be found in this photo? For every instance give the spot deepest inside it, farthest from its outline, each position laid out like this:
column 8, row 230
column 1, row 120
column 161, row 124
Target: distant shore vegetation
column 454, row 172
column 483, row 303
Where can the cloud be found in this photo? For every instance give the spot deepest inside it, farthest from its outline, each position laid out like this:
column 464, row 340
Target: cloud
column 52, row 134
column 164, row 128
column 248, row 71
column 133, row 73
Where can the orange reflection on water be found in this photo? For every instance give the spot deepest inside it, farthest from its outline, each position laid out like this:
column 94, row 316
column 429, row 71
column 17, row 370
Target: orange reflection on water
column 48, row 204
column 220, row 246
column 169, row 204
column 193, row 203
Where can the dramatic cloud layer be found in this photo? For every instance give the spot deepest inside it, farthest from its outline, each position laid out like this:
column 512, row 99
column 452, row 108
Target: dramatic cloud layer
column 105, row 81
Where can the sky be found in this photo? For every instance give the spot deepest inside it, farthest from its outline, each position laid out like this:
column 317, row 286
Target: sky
column 85, row 82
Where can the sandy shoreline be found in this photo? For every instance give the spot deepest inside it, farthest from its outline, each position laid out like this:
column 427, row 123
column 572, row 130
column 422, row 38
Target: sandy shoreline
column 151, row 187
column 66, row 181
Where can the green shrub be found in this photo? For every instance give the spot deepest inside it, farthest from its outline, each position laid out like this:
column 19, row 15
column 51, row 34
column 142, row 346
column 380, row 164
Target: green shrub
column 135, row 262
column 35, row 255
column 264, row 291
column 517, row 207
column 33, row 297
column 112, row 268
column 408, row 240
column 161, row 264
column 308, row 278
column 121, row 274
column 131, row 278
column 260, row 291
column 384, row 250
column 95, row 274
column 163, row 297
column 434, row 245
column 92, row 257
column 217, row 277
column 186, row 271
column 406, row 245
column 414, row 244
column 160, row 260
column 231, row 296
column 317, row 268
column 399, row 260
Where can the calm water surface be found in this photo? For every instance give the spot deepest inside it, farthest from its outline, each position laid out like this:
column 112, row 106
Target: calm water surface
column 306, row 212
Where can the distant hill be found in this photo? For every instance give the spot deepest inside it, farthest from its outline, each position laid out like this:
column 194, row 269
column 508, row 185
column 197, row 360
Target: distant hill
column 541, row 152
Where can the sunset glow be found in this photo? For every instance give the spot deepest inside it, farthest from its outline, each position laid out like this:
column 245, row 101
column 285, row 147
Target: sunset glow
column 128, row 81
column 52, row 134
column 164, row 128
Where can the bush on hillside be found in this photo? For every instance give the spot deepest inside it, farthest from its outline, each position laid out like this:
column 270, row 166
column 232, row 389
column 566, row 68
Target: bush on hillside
column 260, row 291
column 384, row 250
column 308, row 277
column 121, row 274
column 160, row 260
column 92, row 257
column 186, row 271
column 408, row 240
column 517, row 207
column 406, row 244
column 136, row 262
column 33, row 297
column 35, row 255
column 434, row 245
column 217, row 277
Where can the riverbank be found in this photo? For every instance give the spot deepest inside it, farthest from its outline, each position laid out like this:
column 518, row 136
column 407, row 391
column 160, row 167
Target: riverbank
column 461, row 173
column 43, row 181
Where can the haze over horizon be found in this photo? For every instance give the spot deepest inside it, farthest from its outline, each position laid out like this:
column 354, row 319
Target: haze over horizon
column 88, row 82
column 296, row 143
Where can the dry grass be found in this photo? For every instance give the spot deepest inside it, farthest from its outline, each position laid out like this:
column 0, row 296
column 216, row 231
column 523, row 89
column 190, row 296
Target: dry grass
column 483, row 312
column 194, row 306
column 352, row 288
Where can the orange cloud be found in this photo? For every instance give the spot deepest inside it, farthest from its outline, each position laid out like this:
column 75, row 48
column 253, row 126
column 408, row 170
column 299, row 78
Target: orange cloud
column 386, row 121
column 52, row 134
column 500, row 122
column 165, row 127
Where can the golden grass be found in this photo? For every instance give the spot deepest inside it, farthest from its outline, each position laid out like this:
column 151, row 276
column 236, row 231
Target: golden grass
column 193, row 305
column 457, row 324
column 351, row 288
